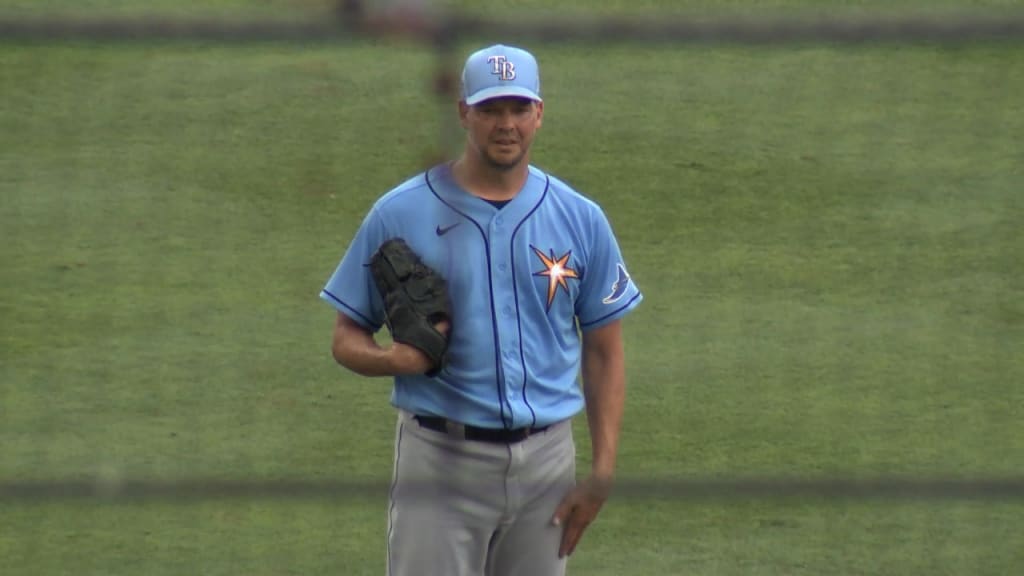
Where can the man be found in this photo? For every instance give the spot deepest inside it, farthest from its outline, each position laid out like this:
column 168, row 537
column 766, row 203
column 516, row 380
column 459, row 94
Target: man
column 484, row 475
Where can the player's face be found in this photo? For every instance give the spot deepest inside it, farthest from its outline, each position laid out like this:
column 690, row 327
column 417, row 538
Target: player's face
column 501, row 130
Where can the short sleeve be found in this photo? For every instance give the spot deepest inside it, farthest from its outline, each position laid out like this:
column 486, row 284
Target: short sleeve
column 351, row 288
column 607, row 291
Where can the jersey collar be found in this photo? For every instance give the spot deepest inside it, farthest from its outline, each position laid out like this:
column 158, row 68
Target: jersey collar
column 443, row 185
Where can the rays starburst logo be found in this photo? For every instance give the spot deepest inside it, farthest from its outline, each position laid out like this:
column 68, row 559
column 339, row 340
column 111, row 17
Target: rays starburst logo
column 556, row 270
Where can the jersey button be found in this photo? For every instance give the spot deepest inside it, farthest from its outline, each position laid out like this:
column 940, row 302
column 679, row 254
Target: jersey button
column 502, row 267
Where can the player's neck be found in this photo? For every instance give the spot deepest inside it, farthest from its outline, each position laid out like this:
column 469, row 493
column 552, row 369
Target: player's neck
column 487, row 182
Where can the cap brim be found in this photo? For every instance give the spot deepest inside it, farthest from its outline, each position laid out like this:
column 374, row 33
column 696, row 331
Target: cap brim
column 502, row 92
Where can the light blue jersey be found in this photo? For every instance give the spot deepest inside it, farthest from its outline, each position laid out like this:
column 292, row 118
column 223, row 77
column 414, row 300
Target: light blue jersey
column 523, row 279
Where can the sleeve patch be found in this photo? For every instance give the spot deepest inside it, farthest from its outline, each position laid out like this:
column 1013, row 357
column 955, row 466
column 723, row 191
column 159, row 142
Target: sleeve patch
column 618, row 289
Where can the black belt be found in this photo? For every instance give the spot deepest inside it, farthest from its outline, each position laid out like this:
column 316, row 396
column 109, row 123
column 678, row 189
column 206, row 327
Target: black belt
column 493, row 435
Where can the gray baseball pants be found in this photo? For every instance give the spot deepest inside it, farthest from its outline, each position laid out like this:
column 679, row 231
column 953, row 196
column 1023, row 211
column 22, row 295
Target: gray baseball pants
column 469, row 508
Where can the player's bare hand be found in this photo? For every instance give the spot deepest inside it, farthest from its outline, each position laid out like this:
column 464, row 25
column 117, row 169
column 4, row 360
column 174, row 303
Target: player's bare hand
column 578, row 509
column 406, row 359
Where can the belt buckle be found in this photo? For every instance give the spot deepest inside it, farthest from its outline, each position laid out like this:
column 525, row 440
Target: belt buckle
column 455, row 429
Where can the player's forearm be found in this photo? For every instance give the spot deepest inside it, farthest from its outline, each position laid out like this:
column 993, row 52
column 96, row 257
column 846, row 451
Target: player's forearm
column 604, row 386
column 360, row 353
column 355, row 348
column 605, row 400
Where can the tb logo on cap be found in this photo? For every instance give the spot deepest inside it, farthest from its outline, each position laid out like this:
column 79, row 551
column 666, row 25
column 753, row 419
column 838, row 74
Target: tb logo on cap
column 502, row 68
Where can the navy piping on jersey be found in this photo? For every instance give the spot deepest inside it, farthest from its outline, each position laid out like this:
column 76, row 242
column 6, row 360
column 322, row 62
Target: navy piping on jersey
column 499, row 384
column 353, row 310
column 515, row 296
column 624, row 306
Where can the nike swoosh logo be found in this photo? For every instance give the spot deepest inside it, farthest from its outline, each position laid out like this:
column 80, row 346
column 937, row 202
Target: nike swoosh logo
column 442, row 231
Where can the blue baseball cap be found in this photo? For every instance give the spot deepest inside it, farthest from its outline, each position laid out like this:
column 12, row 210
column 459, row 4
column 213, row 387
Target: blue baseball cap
column 499, row 71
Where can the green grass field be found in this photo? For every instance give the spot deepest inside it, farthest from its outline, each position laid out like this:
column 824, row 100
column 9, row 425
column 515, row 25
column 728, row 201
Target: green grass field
column 828, row 239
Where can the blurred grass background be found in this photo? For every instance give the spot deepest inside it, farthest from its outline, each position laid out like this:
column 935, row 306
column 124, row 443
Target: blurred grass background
column 828, row 238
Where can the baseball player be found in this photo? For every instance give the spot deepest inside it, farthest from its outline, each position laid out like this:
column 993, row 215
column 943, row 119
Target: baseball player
column 484, row 460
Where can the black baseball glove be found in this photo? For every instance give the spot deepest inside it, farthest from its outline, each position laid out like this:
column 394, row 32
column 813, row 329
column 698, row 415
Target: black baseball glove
column 415, row 300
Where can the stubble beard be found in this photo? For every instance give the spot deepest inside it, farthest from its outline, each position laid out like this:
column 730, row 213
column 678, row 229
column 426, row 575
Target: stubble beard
column 503, row 165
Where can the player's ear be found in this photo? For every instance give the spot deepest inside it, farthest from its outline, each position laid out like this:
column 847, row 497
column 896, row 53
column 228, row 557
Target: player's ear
column 540, row 113
column 463, row 113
